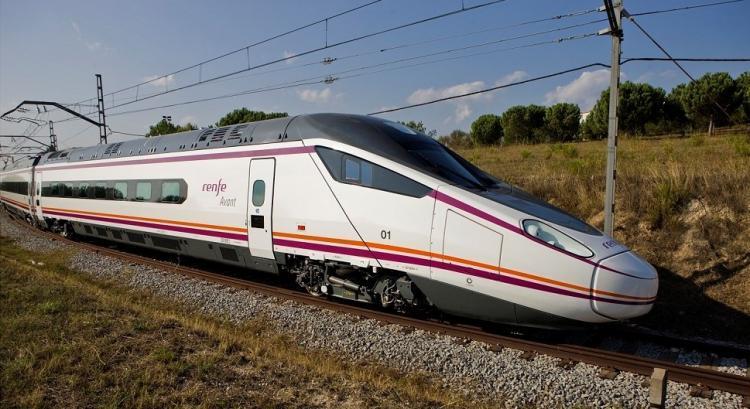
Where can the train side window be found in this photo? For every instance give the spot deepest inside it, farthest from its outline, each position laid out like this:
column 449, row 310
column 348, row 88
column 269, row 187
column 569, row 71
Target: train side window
column 55, row 191
column 259, row 193
column 143, row 191
column 68, row 189
column 83, row 190
column 120, row 191
column 170, row 192
column 352, row 170
column 46, row 189
column 100, row 190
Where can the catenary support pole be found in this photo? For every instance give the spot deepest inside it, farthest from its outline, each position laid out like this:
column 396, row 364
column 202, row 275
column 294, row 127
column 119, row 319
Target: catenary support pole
column 102, row 118
column 614, row 14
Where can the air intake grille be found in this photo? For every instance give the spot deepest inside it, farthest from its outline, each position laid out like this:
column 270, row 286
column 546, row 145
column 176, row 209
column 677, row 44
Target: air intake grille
column 219, row 134
column 205, row 135
column 237, row 131
column 111, row 149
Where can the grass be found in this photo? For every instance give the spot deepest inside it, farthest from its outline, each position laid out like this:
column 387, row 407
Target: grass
column 70, row 341
column 682, row 203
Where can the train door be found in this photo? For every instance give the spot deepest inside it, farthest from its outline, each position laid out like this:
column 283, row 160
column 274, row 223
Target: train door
column 37, row 195
column 260, row 207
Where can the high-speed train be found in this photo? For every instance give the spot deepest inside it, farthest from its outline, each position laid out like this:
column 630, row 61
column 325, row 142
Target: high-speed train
column 350, row 206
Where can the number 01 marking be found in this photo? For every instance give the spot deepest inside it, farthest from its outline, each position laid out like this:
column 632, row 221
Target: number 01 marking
column 385, row 234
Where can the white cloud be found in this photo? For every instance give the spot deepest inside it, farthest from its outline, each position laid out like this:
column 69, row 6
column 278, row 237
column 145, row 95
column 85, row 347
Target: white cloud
column 159, row 80
column 514, row 76
column 188, row 120
column 316, row 96
column 288, row 54
column 92, row 46
column 462, row 110
column 427, row 94
column 584, row 90
column 656, row 76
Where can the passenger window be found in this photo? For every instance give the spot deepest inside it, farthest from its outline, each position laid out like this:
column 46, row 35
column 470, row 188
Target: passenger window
column 351, row 170
column 259, row 193
column 120, row 191
column 348, row 169
column 68, row 189
column 143, row 191
column 55, row 189
column 83, row 190
column 100, row 190
column 170, row 192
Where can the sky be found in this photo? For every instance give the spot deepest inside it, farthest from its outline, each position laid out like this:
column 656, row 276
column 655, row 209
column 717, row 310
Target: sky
column 50, row 50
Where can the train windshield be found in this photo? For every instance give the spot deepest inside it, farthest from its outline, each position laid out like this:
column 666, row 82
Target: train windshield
column 434, row 158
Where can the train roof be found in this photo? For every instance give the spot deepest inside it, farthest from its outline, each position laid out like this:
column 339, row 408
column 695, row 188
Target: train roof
column 369, row 133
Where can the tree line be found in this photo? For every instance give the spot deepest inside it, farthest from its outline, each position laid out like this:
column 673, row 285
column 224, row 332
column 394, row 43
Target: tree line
column 715, row 99
column 238, row 116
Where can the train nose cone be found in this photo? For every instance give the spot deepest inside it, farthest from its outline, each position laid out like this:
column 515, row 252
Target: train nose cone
column 624, row 286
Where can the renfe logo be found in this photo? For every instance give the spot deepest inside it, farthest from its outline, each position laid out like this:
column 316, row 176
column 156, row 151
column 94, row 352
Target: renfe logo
column 218, row 187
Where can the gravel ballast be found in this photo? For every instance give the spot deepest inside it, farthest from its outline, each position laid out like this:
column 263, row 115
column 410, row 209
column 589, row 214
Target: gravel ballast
column 471, row 367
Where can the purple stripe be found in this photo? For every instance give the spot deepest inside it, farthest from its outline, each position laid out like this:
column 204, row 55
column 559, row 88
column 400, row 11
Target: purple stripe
column 446, row 266
column 180, row 229
column 190, row 158
column 14, row 203
column 486, row 216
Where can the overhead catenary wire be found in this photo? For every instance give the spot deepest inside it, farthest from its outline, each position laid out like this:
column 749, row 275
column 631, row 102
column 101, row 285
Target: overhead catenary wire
column 675, row 62
column 683, row 8
column 329, row 60
column 341, row 76
column 706, row 59
column 247, row 47
column 495, row 88
column 406, row 59
column 297, row 55
column 564, row 15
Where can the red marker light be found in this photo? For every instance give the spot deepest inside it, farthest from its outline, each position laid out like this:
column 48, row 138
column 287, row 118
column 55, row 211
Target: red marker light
column 301, row 227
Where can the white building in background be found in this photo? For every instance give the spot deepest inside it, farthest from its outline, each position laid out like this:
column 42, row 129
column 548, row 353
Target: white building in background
column 584, row 115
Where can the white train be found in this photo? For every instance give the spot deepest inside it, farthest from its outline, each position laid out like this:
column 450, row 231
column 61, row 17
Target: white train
column 353, row 207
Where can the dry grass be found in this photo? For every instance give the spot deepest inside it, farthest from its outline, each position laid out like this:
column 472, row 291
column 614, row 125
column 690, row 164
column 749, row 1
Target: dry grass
column 684, row 204
column 68, row 341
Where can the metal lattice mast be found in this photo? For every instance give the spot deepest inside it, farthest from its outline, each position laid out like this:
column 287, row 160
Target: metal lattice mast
column 102, row 118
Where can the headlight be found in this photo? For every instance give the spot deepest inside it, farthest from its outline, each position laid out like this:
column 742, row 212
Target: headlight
column 554, row 237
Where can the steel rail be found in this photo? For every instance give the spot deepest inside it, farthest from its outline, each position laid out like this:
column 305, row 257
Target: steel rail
column 603, row 358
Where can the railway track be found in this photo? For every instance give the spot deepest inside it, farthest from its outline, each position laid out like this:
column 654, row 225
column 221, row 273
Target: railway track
column 618, row 361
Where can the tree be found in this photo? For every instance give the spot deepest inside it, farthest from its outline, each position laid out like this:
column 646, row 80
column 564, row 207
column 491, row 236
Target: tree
column 595, row 125
column 165, row 127
column 743, row 86
column 456, row 139
column 640, row 106
column 242, row 115
column 562, row 121
column 486, row 130
column 419, row 127
column 524, row 124
column 701, row 97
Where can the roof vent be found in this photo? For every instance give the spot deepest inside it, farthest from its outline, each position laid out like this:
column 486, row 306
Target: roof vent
column 205, row 134
column 219, row 134
column 237, row 131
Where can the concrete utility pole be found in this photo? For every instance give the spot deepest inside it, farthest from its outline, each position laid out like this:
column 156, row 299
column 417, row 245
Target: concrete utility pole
column 614, row 15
